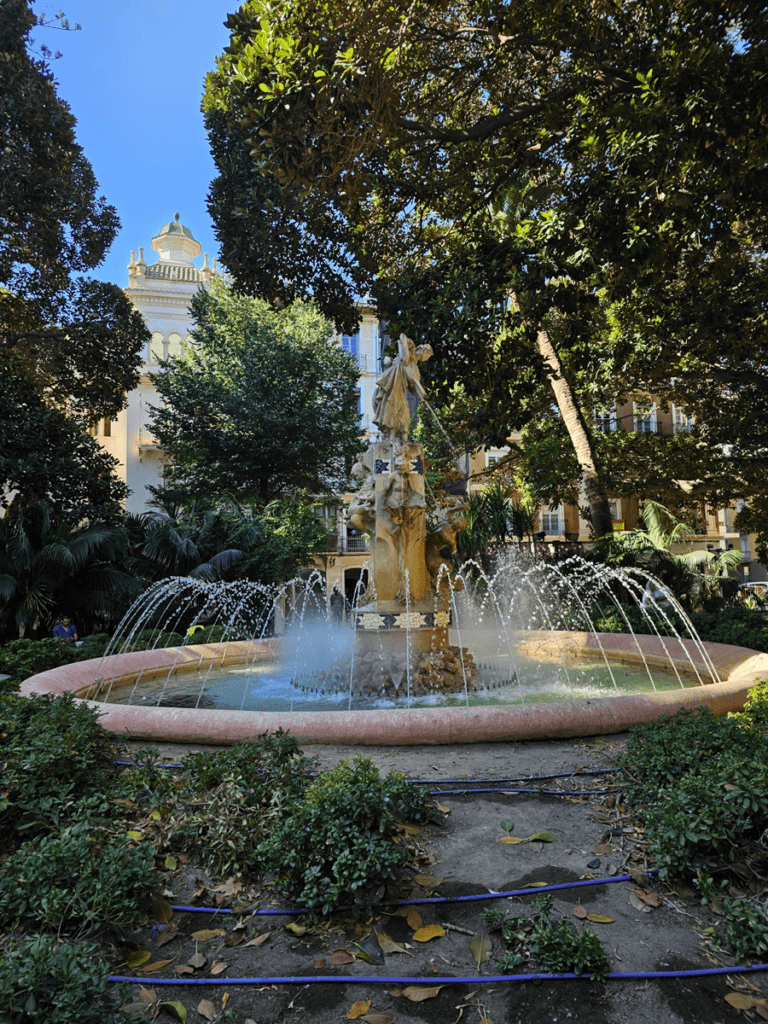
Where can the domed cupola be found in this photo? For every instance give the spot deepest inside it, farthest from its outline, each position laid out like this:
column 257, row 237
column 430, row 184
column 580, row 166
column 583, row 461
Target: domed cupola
column 175, row 243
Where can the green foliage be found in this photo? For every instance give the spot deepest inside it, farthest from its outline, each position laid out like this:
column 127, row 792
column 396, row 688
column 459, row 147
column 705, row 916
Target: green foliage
column 702, row 784
column 152, row 639
column 560, row 948
column 48, row 567
column 55, row 754
column 227, row 801
column 70, row 345
column 744, row 627
column 45, row 979
column 21, row 659
column 261, row 404
column 755, row 707
column 744, row 930
column 336, row 843
column 76, row 880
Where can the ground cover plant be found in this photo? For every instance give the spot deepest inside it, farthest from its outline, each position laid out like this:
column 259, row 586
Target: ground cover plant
column 89, row 846
column 700, row 786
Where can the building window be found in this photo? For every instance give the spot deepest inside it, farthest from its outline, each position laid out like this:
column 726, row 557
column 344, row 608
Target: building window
column 107, row 427
column 681, row 420
column 605, row 419
column 615, row 507
column 351, row 344
column 494, row 455
column 645, row 417
column 551, row 520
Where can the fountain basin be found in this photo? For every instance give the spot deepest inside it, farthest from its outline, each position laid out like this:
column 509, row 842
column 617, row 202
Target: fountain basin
column 738, row 667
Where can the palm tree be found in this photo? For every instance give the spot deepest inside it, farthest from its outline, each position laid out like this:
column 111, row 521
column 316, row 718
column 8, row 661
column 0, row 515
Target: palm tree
column 693, row 570
column 47, row 569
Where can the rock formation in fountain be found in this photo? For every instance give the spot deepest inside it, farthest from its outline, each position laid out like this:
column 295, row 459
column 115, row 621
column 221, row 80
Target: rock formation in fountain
column 402, row 624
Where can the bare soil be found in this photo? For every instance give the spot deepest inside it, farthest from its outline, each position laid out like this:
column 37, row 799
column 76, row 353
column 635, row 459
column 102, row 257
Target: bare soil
column 467, row 855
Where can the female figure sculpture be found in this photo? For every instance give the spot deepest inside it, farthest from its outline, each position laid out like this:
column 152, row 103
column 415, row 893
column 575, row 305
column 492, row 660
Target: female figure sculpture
column 391, row 412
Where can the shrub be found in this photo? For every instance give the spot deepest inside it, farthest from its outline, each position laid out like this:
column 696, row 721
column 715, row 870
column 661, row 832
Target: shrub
column 703, row 786
column 755, row 707
column 55, row 753
column 58, row 983
column 76, row 879
column 737, row 625
column 337, row 839
column 23, row 658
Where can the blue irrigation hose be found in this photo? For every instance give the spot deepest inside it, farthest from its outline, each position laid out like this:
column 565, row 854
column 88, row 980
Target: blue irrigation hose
column 530, row 891
column 481, row 979
column 543, row 792
column 431, row 782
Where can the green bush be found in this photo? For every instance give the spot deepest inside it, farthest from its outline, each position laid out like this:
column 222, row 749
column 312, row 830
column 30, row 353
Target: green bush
column 55, row 754
column 207, row 635
column 336, row 841
column 75, row 879
column 702, row 784
column 150, row 639
column 23, row 658
column 755, row 707
column 49, row 981
column 743, row 627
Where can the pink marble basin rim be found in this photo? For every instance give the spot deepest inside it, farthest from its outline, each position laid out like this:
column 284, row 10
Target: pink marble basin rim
column 739, row 668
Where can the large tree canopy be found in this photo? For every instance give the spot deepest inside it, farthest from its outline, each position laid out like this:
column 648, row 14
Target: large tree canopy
column 261, row 404
column 563, row 193
column 76, row 341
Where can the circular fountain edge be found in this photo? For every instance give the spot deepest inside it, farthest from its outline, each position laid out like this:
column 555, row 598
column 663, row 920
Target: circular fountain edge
column 739, row 666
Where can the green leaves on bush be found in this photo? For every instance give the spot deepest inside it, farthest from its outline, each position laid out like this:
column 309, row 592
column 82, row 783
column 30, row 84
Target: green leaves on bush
column 57, row 982
column 336, row 843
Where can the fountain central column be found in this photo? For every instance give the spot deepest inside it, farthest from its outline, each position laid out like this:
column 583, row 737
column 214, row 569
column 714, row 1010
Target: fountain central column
column 405, row 613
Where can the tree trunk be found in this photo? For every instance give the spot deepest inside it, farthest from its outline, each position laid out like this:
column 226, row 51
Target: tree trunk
column 575, row 424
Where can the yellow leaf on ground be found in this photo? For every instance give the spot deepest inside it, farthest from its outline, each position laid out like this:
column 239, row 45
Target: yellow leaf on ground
column 138, row 958
column 600, row 918
column 417, row 994
column 429, row 931
column 358, row 1009
column 739, row 1001
column 259, row 939
column 176, row 1010
column 297, row 929
column 134, row 835
column 162, row 911
column 427, row 881
column 413, row 917
column 388, row 946
column 207, row 933
column 155, row 966
column 511, row 841
column 412, row 830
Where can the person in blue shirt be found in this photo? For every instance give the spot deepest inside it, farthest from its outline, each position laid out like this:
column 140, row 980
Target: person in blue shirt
column 66, row 629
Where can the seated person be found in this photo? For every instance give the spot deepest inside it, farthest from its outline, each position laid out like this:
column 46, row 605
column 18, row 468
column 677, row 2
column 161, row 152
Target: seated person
column 66, row 629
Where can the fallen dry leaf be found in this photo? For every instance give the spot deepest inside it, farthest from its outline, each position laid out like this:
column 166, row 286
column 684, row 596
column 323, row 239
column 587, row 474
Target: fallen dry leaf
column 147, row 995
column 379, row 1017
column 319, row 964
column 386, row 945
column 139, row 957
column 155, row 966
column 600, row 919
column 197, row 960
column 297, row 929
column 207, row 933
column 259, row 939
column 429, row 931
column 206, row 1009
column 184, row 969
column 480, row 946
column 444, row 808
column 637, row 903
column 341, row 956
column 219, row 967
column 417, row 993
column 579, row 911
column 651, row 898
column 161, row 911
column 169, row 932
column 233, row 939
column 511, row 841
column 427, row 881
column 358, row 1009
column 414, row 920
column 412, row 830
column 176, row 1010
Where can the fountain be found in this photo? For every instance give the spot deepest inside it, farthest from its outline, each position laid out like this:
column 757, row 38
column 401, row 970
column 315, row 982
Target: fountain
column 410, row 645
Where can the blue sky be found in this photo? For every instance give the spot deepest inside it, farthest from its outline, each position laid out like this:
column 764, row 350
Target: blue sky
column 134, row 78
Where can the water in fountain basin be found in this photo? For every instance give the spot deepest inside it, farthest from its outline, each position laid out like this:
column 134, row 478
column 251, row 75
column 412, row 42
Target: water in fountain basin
column 497, row 618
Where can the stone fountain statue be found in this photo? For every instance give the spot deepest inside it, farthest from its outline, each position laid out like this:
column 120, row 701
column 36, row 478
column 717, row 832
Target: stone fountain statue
column 402, row 625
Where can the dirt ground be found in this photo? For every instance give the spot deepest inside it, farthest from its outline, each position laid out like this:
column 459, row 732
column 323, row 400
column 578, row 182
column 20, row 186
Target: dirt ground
column 593, row 839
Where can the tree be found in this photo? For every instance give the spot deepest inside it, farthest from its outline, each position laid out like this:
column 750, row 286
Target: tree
column 48, row 569
column 76, row 341
column 637, row 129
column 261, row 404
column 226, row 542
